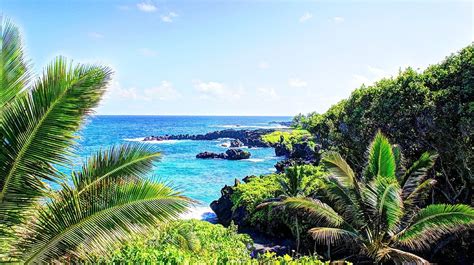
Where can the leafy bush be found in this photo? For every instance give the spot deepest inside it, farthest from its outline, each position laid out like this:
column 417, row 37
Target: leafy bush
column 260, row 189
column 432, row 110
column 195, row 242
column 288, row 137
column 185, row 242
column 255, row 191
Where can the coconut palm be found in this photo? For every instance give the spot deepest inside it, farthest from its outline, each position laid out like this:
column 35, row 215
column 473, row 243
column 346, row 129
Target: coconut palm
column 107, row 200
column 377, row 211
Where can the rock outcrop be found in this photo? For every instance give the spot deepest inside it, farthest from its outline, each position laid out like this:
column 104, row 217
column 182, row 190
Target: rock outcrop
column 250, row 138
column 230, row 154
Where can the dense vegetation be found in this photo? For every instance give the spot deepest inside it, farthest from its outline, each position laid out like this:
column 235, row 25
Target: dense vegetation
column 196, row 242
column 378, row 212
column 106, row 201
column 287, row 138
column 432, row 110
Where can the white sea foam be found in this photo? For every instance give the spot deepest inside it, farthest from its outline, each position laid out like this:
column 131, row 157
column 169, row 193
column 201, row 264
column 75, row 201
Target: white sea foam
column 256, row 160
column 200, row 213
column 236, row 126
column 155, row 141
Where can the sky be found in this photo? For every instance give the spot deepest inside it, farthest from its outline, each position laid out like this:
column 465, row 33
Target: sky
column 240, row 57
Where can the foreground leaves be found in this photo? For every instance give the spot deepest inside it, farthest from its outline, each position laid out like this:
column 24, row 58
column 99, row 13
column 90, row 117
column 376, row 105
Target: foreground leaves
column 379, row 213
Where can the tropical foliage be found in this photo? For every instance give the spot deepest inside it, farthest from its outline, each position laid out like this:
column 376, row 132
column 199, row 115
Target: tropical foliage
column 288, row 138
column 195, row 242
column 429, row 110
column 377, row 212
column 106, row 200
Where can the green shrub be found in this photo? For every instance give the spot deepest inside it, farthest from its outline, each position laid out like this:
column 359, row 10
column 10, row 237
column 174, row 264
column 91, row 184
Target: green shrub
column 185, row 242
column 432, row 110
column 262, row 188
column 289, row 137
column 195, row 242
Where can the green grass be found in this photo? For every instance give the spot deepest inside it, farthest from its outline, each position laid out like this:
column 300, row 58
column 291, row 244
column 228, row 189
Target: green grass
column 289, row 137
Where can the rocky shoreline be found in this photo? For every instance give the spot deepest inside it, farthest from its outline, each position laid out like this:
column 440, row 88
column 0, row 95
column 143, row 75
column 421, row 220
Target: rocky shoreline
column 249, row 138
column 230, row 154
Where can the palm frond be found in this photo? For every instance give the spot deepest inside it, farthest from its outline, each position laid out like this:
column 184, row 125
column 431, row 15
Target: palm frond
column 381, row 159
column 399, row 256
column 38, row 128
column 339, row 169
column 416, row 197
column 385, row 202
column 14, row 69
column 345, row 202
column 435, row 221
column 331, row 236
column 417, row 173
column 321, row 211
column 399, row 161
column 96, row 219
column 125, row 161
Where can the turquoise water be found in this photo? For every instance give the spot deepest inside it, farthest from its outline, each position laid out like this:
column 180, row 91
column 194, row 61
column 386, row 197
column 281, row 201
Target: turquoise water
column 201, row 180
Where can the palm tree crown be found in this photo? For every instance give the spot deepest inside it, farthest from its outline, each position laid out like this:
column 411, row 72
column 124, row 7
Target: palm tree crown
column 109, row 197
column 378, row 211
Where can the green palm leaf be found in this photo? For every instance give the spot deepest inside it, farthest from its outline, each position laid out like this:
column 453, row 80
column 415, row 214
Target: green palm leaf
column 38, row 129
column 399, row 256
column 125, row 161
column 321, row 211
column 95, row 220
column 381, row 159
column 330, row 236
column 14, row 74
column 339, row 169
column 435, row 221
column 417, row 172
column 386, row 204
column 345, row 202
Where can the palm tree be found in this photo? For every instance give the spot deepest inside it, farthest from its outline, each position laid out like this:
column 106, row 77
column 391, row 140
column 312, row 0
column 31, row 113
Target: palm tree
column 291, row 183
column 377, row 211
column 107, row 200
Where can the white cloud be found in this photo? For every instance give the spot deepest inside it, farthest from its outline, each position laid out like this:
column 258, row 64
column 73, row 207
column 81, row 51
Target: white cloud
column 165, row 91
column 115, row 90
column 216, row 90
column 338, row 19
column 263, row 65
column 147, row 7
column 169, row 17
column 372, row 75
column 296, row 82
column 148, row 52
column 305, row 17
column 95, row 35
column 267, row 93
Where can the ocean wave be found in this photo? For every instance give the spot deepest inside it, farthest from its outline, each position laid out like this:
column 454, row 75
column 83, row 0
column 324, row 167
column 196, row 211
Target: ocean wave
column 235, row 126
column 200, row 213
column 256, row 160
column 155, row 142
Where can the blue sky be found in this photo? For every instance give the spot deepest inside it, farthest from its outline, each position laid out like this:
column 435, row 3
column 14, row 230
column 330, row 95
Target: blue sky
column 240, row 57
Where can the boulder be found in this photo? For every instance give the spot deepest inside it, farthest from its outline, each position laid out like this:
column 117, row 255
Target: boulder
column 237, row 154
column 223, row 206
column 209, row 155
column 236, row 143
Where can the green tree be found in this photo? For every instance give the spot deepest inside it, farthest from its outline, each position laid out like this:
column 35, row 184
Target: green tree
column 377, row 211
column 107, row 200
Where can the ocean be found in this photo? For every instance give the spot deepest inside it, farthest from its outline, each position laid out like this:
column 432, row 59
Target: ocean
column 199, row 179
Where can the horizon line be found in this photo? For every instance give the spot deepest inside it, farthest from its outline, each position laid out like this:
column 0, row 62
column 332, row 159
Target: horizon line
column 194, row 115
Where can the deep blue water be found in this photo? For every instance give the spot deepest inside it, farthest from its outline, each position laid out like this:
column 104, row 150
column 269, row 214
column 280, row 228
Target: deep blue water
column 201, row 180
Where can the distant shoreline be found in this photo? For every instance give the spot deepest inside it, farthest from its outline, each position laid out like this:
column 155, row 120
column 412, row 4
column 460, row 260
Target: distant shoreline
column 190, row 115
